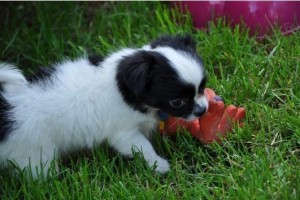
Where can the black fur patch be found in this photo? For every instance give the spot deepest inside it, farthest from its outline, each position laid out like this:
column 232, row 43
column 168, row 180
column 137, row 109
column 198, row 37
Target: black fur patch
column 131, row 78
column 147, row 79
column 202, row 85
column 178, row 42
column 5, row 122
column 95, row 60
column 43, row 73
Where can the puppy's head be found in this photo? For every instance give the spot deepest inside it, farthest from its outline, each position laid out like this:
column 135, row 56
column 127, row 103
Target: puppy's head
column 167, row 75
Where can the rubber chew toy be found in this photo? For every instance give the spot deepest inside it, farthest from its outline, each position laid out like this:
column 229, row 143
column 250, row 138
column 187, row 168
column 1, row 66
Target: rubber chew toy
column 212, row 126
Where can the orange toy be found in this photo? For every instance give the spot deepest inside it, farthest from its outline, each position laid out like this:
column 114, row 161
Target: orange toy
column 212, row 126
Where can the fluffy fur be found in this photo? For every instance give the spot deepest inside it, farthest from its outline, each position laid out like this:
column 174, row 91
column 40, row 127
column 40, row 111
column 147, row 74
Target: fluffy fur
column 80, row 103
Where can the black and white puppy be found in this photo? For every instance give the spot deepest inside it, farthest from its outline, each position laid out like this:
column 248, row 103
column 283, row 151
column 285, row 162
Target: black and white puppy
column 80, row 103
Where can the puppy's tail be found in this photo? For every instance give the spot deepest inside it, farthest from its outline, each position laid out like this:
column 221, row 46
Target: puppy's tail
column 10, row 76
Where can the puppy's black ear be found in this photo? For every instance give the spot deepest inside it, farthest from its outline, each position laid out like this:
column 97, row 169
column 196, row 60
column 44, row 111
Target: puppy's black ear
column 133, row 71
column 188, row 41
column 176, row 42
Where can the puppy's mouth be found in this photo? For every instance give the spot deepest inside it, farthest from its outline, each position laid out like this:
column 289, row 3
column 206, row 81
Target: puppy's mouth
column 193, row 116
column 190, row 118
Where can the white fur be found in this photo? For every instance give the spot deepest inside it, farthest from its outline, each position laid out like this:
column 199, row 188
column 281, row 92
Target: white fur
column 186, row 66
column 81, row 106
column 11, row 77
column 72, row 112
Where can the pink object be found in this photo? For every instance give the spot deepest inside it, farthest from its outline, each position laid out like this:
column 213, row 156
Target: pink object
column 264, row 14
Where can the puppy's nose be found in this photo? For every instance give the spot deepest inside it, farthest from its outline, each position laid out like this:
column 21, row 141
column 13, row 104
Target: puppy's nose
column 199, row 110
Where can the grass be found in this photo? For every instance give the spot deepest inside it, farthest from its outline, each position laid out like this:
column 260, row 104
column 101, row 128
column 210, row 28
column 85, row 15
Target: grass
column 259, row 161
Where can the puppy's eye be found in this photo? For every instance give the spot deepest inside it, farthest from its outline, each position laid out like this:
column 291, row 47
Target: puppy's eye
column 177, row 103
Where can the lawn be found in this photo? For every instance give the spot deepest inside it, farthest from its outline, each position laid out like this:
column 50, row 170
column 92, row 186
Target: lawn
column 259, row 161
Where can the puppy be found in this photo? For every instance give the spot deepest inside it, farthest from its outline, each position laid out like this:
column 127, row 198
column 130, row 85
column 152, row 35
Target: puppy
column 83, row 102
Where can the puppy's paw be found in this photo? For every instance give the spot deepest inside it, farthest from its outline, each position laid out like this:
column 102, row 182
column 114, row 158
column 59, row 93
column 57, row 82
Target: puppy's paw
column 160, row 165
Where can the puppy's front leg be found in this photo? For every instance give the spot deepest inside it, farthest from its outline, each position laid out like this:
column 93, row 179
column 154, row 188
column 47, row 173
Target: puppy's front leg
column 127, row 143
